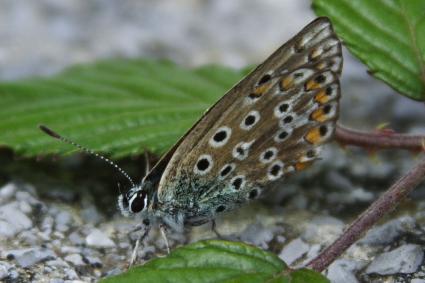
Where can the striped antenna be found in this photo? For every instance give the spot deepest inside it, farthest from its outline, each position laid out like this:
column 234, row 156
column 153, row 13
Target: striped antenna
column 55, row 135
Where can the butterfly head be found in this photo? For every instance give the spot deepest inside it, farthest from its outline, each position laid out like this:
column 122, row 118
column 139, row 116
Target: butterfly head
column 135, row 201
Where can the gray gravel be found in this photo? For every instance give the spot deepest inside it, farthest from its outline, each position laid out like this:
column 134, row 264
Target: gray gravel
column 404, row 259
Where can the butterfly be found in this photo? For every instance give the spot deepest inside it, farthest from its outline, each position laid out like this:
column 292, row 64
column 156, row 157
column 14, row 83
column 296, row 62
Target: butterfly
column 270, row 124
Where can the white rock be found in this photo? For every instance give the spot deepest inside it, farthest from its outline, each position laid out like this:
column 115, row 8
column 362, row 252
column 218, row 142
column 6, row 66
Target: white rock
column 63, row 220
column 7, row 192
column 17, row 220
column 28, row 257
column 293, row 251
column 417, row 280
column 386, row 233
column 7, row 230
column 75, row 259
column 99, row 239
column 4, row 270
column 323, row 230
column 404, row 259
column 258, row 235
column 341, row 271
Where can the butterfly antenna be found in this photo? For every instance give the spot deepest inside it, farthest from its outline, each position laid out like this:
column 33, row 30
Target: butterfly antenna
column 55, row 135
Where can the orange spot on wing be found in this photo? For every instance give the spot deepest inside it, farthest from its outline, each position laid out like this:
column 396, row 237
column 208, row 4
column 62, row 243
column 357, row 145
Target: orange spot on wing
column 302, row 165
column 313, row 136
column 319, row 115
column 321, row 97
column 286, row 83
column 311, row 84
column 260, row 90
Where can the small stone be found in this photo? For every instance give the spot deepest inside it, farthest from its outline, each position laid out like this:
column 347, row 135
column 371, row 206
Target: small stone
column 94, row 261
column 18, row 221
column 98, row 239
column 257, row 235
column 75, row 259
column 113, row 272
column 71, row 274
column 388, row 232
column 75, row 238
column 323, row 230
column 341, row 271
column 31, row 237
column 26, row 197
column 58, row 262
column 25, row 207
column 4, row 269
column 69, row 250
column 56, row 280
column 313, row 252
column 63, row 220
column 293, row 251
column 7, row 230
column 91, row 215
column 7, row 192
column 404, row 259
column 33, row 255
column 417, row 280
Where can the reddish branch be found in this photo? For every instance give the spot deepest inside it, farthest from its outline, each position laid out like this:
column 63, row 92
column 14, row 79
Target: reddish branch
column 385, row 204
column 379, row 140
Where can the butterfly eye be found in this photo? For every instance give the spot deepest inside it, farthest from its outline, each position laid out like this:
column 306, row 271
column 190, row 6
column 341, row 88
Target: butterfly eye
column 138, row 201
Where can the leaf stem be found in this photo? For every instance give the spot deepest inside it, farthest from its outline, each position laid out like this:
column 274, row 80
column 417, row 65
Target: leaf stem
column 379, row 139
column 382, row 206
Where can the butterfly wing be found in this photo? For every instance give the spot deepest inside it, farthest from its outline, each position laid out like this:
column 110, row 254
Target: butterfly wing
column 270, row 124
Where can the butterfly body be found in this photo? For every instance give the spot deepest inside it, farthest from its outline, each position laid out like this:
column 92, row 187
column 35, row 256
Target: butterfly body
column 270, row 124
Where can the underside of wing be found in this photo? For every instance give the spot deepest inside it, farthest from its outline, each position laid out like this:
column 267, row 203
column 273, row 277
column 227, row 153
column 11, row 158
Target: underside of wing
column 270, row 124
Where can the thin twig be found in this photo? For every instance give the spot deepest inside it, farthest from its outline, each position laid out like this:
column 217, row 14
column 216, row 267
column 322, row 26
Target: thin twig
column 379, row 139
column 382, row 206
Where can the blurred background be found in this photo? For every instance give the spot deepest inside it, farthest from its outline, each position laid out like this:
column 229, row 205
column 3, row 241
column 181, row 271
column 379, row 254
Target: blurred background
column 43, row 37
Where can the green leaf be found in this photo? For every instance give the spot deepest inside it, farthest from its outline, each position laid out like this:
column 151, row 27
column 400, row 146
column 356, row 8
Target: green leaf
column 119, row 107
column 217, row 261
column 387, row 35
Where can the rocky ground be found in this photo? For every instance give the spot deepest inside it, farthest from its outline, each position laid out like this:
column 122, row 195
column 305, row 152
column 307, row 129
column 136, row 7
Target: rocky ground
column 58, row 219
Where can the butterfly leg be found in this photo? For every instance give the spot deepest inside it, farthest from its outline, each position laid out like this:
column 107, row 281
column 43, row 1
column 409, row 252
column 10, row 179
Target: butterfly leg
column 214, row 229
column 139, row 239
column 163, row 230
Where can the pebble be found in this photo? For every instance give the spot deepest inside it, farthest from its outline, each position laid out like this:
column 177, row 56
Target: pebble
column 57, row 262
column 7, row 230
column 94, row 261
column 294, row 250
column 15, row 219
column 388, row 232
column 28, row 257
column 7, row 192
column 4, row 269
column 323, row 230
column 63, row 220
column 99, row 239
column 258, row 235
column 75, row 259
column 71, row 274
column 76, row 238
column 90, row 214
column 342, row 271
column 404, row 259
